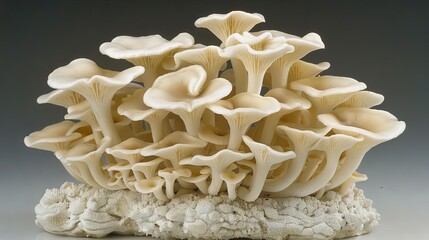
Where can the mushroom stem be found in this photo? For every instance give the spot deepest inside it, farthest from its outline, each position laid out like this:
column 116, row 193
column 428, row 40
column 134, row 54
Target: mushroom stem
column 156, row 128
column 238, row 129
column 103, row 113
column 269, row 127
column 280, row 73
column 191, row 119
column 240, row 76
column 256, row 77
column 216, row 182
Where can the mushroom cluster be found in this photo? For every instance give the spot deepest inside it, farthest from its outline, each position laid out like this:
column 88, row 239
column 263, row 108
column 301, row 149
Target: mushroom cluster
column 247, row 118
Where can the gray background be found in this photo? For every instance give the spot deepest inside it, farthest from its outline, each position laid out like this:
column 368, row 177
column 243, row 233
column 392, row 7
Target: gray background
column 383, row 44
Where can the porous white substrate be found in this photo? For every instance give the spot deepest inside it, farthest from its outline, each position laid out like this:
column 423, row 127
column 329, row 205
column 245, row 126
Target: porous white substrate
column 81, row 210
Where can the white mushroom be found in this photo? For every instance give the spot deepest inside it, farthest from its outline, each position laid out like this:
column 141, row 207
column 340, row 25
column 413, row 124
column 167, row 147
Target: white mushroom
column 333, row 146
column 375, row 126
column 97, row 85
column 128, row 150
column 135, row 109
column 302, row 140
column 354, row 178
column 63, row 98
column 327, row 92
column 146, row 51
column 232, row 180
column 174, row 147
column 186, row 93
column 363, row 99
column 200, row 180
column 170, row 176
column 83, row 112
column 121, row 175
column 289, row 102
column 266, row 157
column 224, row 25
column 148, row 168
column 241, row 111
column 218, row 164
column 257, row 53
column 153, row 185
column 301, row 69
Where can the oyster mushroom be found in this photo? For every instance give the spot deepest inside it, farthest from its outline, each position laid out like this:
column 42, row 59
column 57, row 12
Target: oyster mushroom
column 128, row 150
column 241, row 111
column 148, row 168
column 224, row 25
column 333, row 146
column 135, row 109
column 200, row 180
column 218, row 163
column 256, row 53
column 83, row 112
column 186, row 93
column 302, row 140
column 146, row 51
column 63, row 98
column 289, row 102
column 97, row 85
column 301, row 69
column 375, row 126
column 153, row 185
column 232, row 180
column 121, row 175
column 363, row 99
column 170, row 176
column 354, row 178
column 302, row 46
column 265, row 158
column 208, row 57
column 327, row 92
column 174, row 147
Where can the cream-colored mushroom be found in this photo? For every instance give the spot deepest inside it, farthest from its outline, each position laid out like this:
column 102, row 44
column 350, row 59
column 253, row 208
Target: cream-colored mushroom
column 289, row 102
column 121, row 175
column 186, row 93
column 241, row 111
column 354, row 178
column 148, row 168
column 63, row 98
column 314, row 159
column 232, row 180
column 218, row 163
column 327, row 92
column 301, row 69
column 265, row 158
column 208, row 57
column 213, row 134
column 363, row 99
column 224, row 25
column 302, row 140
column 375, row 126
column 302, row 46
column 170, row 176
column 153, row 185
column 128, row 150
column 257, row 53
column 200, row 180
column 174, row 147
column 146, row 51
column 97, row 85
column 83, row 112
column 135, row 109
column 333, row 146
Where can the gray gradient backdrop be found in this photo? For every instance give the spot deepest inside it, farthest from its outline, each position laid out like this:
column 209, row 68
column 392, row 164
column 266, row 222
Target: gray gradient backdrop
column 383, row 44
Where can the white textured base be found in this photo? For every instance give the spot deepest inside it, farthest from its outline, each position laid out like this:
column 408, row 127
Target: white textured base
column 80, row 210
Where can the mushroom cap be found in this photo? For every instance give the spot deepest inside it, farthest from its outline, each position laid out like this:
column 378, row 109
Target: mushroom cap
column 232, row 177
column 120, row 166
column 253, row 104
column 63, row 98
column 149, row 185
column 323, row 86
column 301, row 70
column 50, row 137
column 264, row 45
column 126, row 47
column 301, row 136
column 173, row 142
column 266, row 154
column 83, row 71
column 198, row 55
column 224, row 158
column 174, row 173
column 131, row 146
column 375, row 124
column 309, row 42
column 363, row 99
column 186, row 89
column 85, row 152
column 151, row 163
column 223, row 25
column 288, row 99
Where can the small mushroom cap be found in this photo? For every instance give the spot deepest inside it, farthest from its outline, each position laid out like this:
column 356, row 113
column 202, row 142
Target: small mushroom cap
column 85, row 72
column 85, row 152
column 63, row 98
column 224, row 157
column 223, row 25
column 375, row 124
column 327, row 85
column 155, row 162
column 131, row 146
column 267, row 154
column 186, row 89
column 120, row 166
column 126, row 47
column 196, row 179
column 301, row 70
column 175, row 173
column 288, row 99
column 359, row 177
column 301, row 137
column 363, row 99
column 53, row 137
column 149, row 185
column 232, row 177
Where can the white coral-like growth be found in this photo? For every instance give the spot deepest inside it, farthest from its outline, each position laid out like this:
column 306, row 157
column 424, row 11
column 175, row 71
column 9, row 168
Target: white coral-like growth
column 267, row 124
